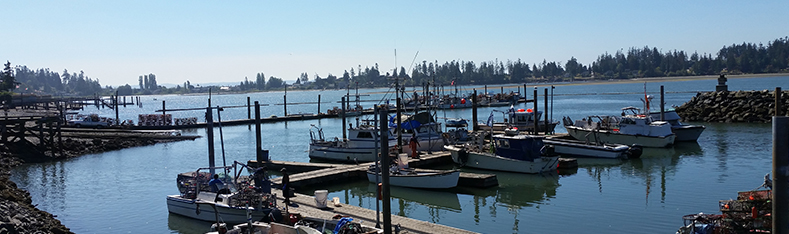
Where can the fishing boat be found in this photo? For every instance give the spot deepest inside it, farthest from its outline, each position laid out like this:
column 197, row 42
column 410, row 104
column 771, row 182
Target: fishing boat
column 234, row 205
column 361, row 145
column 401, row 175
column 569, row 147
column 684, row 132
column 631, row 128
column 520, row 119
column 423, row 126
column 508, row 152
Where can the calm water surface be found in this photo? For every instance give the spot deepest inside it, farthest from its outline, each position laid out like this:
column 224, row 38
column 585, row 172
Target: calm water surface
column 124, row 191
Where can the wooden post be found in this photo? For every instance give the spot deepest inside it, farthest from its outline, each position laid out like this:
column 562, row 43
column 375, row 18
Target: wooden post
column 319, row 105
column 164, row 110
column 536, row 120
column 545, row 100
column 778, row 101
column 474, row 111
column 117, row 118
column 387, row 211
column 209, row 119
column 249, row 114
column 662, row 105
column 342, row 115
column 258, row 137
column 124, row 101
column 780, row 212
column 285, row 100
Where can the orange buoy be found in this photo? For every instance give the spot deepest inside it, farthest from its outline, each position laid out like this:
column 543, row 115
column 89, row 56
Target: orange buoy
column 528, row 110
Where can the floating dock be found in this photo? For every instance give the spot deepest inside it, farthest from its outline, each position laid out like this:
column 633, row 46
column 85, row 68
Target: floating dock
column 308, row 207
column 320, row 173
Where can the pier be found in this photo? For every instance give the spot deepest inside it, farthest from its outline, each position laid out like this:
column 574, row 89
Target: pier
column 314, row 174
column 307, row 207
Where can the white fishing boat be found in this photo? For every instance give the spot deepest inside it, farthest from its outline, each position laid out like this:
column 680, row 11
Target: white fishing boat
column 401, row 175
column 567, row 147
column 423, row 126
column 520, row 119
column 684, row 132
column 232, row 206
column 629, row 129
column 359, row 147
column 511, row 152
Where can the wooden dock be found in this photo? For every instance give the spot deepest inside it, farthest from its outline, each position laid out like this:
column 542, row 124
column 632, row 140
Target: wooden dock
column 307, row 207
column 320, row 173
column 315, row 174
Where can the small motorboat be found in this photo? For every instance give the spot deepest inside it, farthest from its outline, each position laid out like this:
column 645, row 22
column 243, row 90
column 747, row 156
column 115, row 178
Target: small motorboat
column 401, row 175
column 567, row 147
column 628, row 129
column 508, row 152
column 234, row 206
column 359, row 147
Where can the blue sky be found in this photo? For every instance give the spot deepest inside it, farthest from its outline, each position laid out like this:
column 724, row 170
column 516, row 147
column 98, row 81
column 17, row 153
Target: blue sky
column 225, row 41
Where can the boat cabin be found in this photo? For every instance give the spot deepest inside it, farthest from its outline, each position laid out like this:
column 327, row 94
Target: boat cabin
column 523, row 117
column 519, row 147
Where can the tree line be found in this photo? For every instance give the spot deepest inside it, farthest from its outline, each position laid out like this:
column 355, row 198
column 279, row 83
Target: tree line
column 634, row 63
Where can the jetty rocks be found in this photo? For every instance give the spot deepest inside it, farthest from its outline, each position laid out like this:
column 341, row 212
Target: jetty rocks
column 733, row 107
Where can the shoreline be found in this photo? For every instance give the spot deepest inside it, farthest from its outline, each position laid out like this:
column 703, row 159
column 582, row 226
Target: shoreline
column 17, row 210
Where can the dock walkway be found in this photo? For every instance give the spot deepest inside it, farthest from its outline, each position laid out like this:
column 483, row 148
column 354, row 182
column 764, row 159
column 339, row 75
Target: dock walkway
column 307, row 207
column 320, row 173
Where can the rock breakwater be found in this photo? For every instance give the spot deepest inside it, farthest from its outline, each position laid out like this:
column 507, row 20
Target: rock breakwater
column 733, row 107
column 18, row 214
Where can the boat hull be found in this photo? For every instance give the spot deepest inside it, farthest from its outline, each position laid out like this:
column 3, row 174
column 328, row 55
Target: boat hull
column 198, row 209
column 521, row 127
column 422, row 179
column 687, row 132
column 573, row 148
column 343, row 153
column 625, row 139
column 493, row 162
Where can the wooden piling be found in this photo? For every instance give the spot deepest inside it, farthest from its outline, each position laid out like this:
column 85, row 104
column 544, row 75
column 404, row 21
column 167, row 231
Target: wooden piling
column 474, row 126
column 536, row 121
column 780, row 206
column 545, row 100
column 258, row 137
column 319, row 105
column 387, row 207
column 249, row 111
column 342, row 115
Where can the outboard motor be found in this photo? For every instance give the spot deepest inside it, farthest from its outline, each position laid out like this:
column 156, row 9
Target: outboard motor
column 635, row 151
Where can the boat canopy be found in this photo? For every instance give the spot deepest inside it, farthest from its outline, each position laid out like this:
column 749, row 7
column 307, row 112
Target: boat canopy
column 409, row 122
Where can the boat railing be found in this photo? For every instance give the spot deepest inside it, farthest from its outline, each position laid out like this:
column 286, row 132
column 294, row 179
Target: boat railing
column 316, row 137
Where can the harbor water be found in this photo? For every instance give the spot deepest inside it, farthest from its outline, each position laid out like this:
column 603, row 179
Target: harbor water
column 124, row 191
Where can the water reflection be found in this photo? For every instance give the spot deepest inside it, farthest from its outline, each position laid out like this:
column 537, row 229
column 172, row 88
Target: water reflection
column 181, row 224
column 515, row 192
column 49, row 181
column 431, row 198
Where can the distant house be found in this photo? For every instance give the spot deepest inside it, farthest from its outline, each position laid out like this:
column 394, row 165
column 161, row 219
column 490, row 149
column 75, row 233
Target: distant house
column 224, row 88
